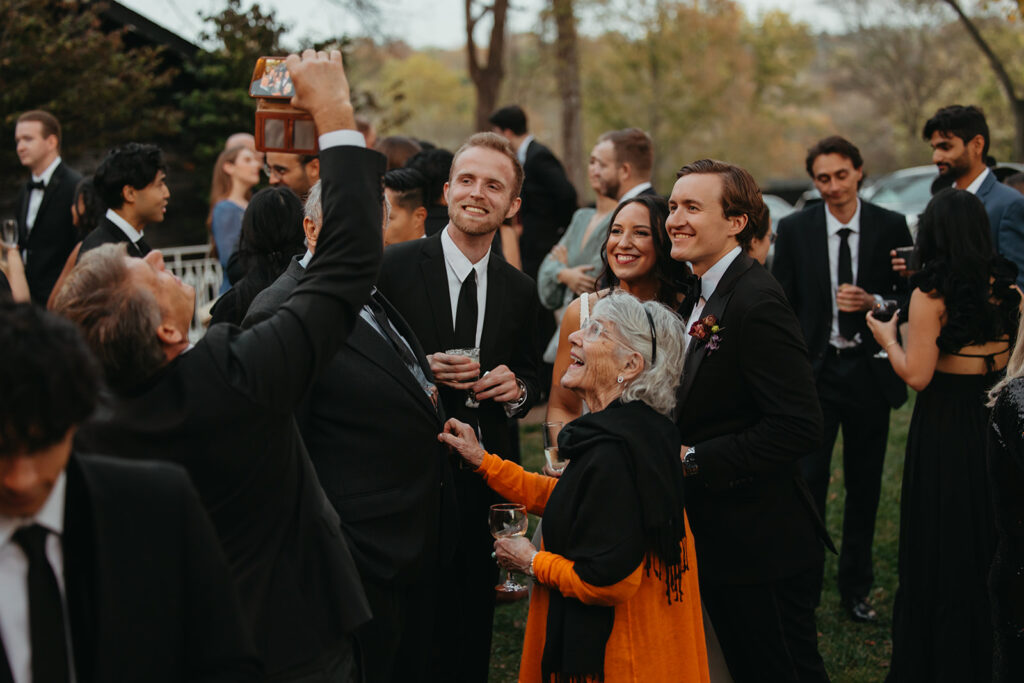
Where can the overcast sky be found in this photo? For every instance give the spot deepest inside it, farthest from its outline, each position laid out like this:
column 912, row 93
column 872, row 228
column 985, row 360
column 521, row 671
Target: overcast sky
column 421, row 23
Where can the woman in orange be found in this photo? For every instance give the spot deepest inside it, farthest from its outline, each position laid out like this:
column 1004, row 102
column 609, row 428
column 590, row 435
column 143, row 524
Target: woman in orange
column 616, row 595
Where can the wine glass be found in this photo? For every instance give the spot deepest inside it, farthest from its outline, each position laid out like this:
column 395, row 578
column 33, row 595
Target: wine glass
column 506, row 520
column 474, row 355
column 9, row 233
column 551, row 430
column 883, row 311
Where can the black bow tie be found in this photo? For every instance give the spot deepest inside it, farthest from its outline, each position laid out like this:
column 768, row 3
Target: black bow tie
column 690, row 288
column 36, row 185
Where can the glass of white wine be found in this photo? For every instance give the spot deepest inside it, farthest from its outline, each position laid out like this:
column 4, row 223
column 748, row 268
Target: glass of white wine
column 555, row 461
column 506, row 520
column 474, row 355
column 9, row 232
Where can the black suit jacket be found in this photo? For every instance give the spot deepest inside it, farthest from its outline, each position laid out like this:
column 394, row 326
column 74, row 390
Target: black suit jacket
column 413, row 277
column 147, row 586
column 372, row 433
column 801, row 265
column 108, row 233
column 224, row 410
column 549, row 200
column 750, row 409
column 53, row 235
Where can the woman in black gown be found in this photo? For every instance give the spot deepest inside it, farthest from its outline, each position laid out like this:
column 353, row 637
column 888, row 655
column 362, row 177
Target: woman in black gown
column 963, row 315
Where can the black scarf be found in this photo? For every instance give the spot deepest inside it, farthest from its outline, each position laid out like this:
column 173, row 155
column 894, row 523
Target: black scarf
column 624, row 475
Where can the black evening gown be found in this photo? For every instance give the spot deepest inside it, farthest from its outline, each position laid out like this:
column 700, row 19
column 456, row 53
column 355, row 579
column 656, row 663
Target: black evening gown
column 1006, row 580
column 942, row 628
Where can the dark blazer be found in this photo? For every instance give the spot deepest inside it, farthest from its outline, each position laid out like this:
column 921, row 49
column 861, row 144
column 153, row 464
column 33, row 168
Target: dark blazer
column 1005, row 208
column 108, row 233
column 53, row 235
column 751, row 411
column 801, row 265
column 414, row 279
column 385, row 483
column 549, row 200
column 224, row 410
column 148, row 590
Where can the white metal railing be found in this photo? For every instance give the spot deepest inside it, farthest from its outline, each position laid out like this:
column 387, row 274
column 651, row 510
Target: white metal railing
column 194, row 265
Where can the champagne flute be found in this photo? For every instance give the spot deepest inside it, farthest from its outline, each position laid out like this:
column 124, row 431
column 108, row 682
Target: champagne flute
column 506, row 520
column 551, row 430
column 474, row 355
column 883, row 311
column 9, row 233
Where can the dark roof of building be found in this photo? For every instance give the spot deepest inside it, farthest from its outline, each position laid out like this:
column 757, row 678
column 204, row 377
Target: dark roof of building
column 147, row 31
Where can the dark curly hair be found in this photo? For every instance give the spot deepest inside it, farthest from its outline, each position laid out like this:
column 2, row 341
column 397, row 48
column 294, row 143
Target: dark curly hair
column 50, row 379
column 960, row 265
column 666, row 270
column 86, row 194
column 132, row 164
column 271, row 230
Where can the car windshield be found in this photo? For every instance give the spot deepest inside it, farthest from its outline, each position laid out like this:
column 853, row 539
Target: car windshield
column 908, row 192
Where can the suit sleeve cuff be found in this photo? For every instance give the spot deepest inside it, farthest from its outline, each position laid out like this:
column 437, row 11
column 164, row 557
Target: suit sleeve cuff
column 338, row 138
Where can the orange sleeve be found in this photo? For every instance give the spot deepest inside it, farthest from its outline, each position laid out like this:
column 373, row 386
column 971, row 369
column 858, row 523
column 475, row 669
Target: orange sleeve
column 560, row 573
column 512, row 482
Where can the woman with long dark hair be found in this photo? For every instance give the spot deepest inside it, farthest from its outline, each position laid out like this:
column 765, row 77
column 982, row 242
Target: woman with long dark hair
column 963, row 316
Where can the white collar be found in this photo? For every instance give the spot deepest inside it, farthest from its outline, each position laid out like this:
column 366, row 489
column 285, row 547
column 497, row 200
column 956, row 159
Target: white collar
column 51, row 515
column 126, row 227
column 976, row 183
column 457, row 261
column 523, row 146
column 709, row 280
column 833, row 225
column 304, row 261
column 48, row 173
column 634, row 191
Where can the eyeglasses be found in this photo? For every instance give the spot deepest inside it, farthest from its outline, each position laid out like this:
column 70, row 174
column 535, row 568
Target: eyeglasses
column 592, row 330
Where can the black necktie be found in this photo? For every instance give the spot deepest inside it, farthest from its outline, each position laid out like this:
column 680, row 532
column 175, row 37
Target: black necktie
column 690, row 288
column 381, row 316
column 847, row 321
column 45, row 609
column 466, row 314
column 36, row 185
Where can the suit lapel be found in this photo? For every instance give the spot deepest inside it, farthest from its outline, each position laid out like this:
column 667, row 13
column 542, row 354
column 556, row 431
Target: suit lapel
column 435, row 280
column 818, row 241
column 49, row 191
column 368, row 342
column 868, row 242
column 716, row 305
column 23, row 214
column 493, row 312
column 82, row 546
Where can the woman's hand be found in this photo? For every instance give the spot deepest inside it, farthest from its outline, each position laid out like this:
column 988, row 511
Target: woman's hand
column 577, row 280
column 461, row 438
column 515, row 553
column 884, row 333
column 560, row 254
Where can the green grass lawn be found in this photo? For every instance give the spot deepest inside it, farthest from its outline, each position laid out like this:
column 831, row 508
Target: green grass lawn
column 854, row 653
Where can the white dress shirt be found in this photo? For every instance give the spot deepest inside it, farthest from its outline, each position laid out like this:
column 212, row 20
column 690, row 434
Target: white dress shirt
column 976, row 183
column 14, row 627
column 127, row 228
column 35, row 197
column 458, row 266
column 833, row 226
column 634, row 191
column 523, row 147
column 708, row 283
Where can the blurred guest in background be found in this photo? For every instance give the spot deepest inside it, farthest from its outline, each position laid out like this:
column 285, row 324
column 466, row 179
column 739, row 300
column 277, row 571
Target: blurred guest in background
column 435, row 165
column 404, row 188
column 235, row 173
column 86, row 213
column 398, row 149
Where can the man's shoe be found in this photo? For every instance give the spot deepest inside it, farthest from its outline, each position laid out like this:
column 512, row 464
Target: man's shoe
column 860, row 610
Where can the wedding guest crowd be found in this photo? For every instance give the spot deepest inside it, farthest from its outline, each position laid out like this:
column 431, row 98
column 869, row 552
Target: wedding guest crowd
column 305, row 493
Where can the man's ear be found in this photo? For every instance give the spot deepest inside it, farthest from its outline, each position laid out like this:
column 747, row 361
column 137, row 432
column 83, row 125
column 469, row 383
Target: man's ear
column 736, row 224
column 419, row 215
column 169, row 335
column 313, row 170
column 514, row 207
column 977, row 144
column 312, row 232
column 128, row 194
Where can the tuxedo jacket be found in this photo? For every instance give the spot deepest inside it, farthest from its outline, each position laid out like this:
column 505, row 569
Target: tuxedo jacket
column 108, row 233
column 414, row 279
column 801, row 265
column 223, row 410
column 371, row 432
column 750, row 409
column 53, row 235
column 1005, row 208
column 148, row 591
column 549, row 200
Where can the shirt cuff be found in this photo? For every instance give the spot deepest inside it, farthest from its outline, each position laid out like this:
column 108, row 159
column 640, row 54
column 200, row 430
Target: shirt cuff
column 345, row 136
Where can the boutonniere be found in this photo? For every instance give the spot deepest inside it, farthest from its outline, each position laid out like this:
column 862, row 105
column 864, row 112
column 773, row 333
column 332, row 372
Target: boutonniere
column 707, row 331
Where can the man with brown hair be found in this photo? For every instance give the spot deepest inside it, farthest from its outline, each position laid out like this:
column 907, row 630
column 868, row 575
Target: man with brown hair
column 47, row 232
column 455, row 294
column 623, row 161
column 748, row 409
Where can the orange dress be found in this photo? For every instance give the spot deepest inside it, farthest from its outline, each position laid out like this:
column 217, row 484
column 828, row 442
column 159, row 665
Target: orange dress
column 651, row 641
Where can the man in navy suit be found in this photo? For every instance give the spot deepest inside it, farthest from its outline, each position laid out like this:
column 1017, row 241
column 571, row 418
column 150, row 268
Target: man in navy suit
column 960, row 139
column 47, row 233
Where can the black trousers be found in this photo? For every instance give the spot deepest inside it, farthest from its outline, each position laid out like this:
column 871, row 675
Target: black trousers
column 767, row 631
column 399, row 643
column 851, row 400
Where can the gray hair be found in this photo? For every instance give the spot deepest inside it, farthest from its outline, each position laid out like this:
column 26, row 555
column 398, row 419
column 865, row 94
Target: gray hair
column 314, row 208
column 657, row 383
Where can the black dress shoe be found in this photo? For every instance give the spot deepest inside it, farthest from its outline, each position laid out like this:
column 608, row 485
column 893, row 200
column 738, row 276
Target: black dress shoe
column 860, row 609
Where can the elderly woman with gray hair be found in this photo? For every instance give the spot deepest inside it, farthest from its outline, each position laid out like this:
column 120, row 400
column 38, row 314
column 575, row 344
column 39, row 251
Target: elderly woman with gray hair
column 616, row 595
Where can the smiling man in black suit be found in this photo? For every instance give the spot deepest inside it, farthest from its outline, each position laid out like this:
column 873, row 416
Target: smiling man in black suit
column 748, row 409
column 453, row 293
column 47, row 233
column 832, row 260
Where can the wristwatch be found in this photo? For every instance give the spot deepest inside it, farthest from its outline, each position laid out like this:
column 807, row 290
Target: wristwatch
column 690, row 463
